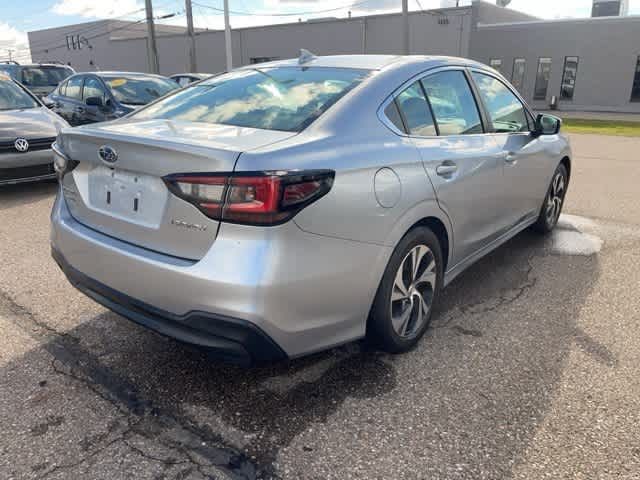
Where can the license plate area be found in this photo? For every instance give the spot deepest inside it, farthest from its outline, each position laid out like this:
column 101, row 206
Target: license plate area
column 130, row 196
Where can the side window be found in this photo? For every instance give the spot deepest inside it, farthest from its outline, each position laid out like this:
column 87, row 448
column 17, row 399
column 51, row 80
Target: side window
column 416, row 112
column 62, row 89
column 392, row 113
column 505, row 110
column 92, row 88
column 453, row 104
column 74, row 88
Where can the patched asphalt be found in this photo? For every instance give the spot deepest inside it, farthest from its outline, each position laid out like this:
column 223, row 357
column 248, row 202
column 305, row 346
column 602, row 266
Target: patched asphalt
column 531, row 368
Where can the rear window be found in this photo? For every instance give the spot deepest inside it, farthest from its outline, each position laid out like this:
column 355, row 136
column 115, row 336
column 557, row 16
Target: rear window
column 279, row 98
column 139, row 90
column 44, row 76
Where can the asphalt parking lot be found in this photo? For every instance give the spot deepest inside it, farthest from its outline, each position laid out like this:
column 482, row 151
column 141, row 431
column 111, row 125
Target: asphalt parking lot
column 531, row 369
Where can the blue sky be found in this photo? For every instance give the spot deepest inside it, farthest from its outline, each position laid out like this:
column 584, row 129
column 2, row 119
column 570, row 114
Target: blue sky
column 18, row 17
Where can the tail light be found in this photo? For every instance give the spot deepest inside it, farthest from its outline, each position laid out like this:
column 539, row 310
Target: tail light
column 62, row 164
column 253, row 198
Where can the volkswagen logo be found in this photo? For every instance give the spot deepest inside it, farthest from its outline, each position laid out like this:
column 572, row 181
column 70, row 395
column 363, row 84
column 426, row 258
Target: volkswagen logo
column 21, row 144
column 108, row 154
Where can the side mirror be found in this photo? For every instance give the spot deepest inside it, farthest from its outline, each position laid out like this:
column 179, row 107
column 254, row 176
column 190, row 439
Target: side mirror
column 48, row 102
column 94, row 102
column 547, row 125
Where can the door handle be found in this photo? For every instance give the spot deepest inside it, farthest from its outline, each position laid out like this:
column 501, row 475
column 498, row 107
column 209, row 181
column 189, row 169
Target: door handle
column 445, row 170
column 510, row 157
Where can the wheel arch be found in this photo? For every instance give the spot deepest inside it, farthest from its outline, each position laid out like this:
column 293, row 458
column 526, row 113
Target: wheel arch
column 425, row 214
column 438, row 227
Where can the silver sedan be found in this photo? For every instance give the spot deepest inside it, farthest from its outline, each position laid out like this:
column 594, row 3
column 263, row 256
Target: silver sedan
column 285, row 208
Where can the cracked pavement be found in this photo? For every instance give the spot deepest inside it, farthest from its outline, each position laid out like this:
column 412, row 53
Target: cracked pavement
column 530, row 370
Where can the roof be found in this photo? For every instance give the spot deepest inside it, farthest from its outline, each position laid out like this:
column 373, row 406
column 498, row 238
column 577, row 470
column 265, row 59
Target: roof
column 556, row 21
column 124, row 74
column 370, row 62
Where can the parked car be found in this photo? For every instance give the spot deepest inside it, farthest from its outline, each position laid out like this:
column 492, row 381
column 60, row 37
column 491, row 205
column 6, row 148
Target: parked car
column 40, row 79
column 101, row 96
column 27, row 130
column 279, row 210
column 184, row 79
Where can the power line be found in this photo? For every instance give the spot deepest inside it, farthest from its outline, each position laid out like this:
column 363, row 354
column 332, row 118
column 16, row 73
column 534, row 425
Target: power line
column 128, row 25
column 287, row 14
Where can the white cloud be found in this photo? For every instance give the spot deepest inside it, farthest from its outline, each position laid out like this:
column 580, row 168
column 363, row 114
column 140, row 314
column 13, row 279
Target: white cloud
column 97, row 9
column 15, row 40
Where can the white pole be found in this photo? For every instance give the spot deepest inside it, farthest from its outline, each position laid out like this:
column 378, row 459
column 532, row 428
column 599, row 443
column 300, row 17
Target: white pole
column 227, row 36
column 405, row 27
column 152, row 48
column 192, row 39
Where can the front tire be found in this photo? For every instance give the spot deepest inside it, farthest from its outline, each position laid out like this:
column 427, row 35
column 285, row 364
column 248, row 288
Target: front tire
column 553, row 201
column 409, row 289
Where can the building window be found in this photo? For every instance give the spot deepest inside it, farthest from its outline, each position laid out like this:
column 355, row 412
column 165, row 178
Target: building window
column 542, row 79
column 635, row 91
column 569, row 78
column 496, row 64
column 517, row 76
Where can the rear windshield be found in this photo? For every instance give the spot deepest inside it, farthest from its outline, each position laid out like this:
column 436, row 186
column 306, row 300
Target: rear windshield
column 44, row 76
column 12, row 97
column 279, row 98
column 139, row 90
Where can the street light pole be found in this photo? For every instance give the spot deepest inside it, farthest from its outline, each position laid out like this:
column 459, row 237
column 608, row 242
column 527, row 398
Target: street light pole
column 405, row 27
column 192, row 38
column 227, row 37
column 152, row 48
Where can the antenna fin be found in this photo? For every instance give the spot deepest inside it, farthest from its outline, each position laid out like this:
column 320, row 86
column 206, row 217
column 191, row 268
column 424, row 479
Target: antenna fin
column 305, row 56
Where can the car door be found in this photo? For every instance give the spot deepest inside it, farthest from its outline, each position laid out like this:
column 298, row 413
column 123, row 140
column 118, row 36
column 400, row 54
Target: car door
column 442, row 117
column 94, row 88
column 57, row 100
column 71, row 102
column 525, row 161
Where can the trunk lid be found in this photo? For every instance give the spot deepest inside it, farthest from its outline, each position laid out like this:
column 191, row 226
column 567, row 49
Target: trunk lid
column 127, row 198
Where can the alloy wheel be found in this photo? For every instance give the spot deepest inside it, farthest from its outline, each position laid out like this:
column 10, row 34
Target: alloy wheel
column 412, row 291
column 555, row 198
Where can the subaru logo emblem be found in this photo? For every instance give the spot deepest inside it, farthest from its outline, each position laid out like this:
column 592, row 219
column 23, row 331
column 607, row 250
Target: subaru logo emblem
column 21, row 144
column 108, row 154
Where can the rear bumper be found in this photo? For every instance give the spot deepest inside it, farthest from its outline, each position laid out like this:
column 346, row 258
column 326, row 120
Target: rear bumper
column 305, row 292
column 229, row 339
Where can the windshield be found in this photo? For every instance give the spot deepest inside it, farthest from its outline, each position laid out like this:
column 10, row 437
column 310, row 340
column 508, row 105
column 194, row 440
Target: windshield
column 44, row 76
column 279, row 98
column 12, row 97
column 139, row 90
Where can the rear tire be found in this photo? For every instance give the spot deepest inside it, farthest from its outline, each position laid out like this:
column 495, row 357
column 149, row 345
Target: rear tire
column 553, row 201
column 409, row 289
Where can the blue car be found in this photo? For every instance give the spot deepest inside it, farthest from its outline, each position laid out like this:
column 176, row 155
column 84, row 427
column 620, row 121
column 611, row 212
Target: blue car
column 100, row 96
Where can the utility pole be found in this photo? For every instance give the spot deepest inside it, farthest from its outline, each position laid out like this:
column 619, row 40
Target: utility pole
column 192, row 37
column 152, row 48
column 10, row 52
column 227, row 37
column 405, row 27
